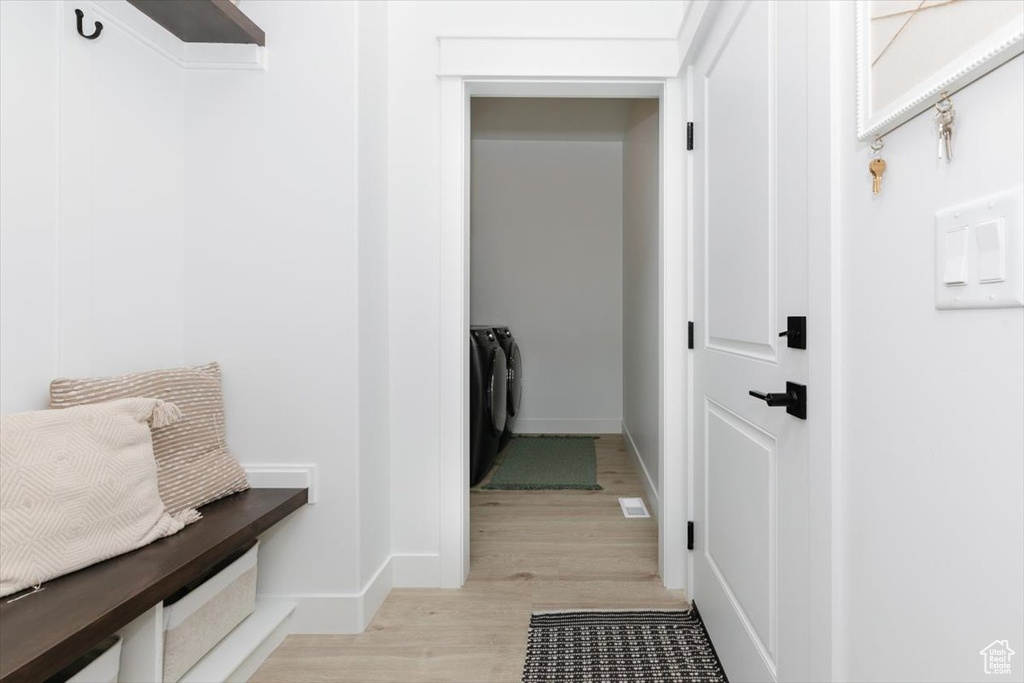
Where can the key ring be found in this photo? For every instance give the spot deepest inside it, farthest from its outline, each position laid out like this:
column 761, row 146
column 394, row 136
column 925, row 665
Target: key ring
column 944, row 104
column 876, row 146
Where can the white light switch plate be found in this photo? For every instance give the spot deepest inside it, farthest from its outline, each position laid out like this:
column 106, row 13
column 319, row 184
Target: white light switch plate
column 985, row 270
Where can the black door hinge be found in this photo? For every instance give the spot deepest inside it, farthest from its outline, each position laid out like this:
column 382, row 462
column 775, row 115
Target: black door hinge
column 689, row 335
column 689, row 136
column 689, row 535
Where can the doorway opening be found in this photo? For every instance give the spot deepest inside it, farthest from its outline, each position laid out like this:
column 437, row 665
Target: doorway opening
column 564, row 323
column 556, row 233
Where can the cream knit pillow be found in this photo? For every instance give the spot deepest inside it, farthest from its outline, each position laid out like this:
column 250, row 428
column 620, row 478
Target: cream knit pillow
column 193, row 463
column 79, row 486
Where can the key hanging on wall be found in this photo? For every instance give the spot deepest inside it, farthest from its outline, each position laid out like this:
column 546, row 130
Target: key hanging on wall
column 945, row 115
column 876, row 167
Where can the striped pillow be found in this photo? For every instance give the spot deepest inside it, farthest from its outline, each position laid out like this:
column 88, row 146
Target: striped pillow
column 194, row 466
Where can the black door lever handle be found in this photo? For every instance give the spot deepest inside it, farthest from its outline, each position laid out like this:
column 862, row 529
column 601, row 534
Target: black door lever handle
column 794, row 399
column 776, row 400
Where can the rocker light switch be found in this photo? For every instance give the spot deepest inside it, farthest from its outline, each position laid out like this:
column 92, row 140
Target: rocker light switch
column 956, row 256
column 979, row 252
column 991, row 254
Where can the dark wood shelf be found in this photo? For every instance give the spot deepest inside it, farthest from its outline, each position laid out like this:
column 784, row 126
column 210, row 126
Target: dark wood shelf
column 203, row 21
column 44, row 632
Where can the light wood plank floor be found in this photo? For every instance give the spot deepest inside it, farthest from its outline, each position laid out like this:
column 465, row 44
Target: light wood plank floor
column 530, row 550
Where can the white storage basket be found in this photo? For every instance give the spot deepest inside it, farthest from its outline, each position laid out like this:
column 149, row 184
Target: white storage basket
column 198, row 621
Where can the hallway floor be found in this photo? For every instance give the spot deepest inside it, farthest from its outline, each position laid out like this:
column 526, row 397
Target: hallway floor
column 530, row 551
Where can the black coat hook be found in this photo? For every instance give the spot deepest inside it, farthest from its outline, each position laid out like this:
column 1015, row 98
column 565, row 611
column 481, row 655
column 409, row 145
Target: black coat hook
column 96, row 32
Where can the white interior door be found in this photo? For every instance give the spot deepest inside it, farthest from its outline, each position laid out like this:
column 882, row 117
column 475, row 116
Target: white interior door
column 749, row 85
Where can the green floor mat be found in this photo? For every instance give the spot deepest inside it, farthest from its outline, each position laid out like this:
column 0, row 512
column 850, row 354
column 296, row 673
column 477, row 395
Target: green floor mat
column 547, row 462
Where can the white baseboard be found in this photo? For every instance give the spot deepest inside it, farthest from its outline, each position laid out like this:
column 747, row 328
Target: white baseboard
column 416, row 571
column 348, row 613
column 374, row 594
column 269, row 475
column 321, row 613
column 544, row 425
column 650, row 489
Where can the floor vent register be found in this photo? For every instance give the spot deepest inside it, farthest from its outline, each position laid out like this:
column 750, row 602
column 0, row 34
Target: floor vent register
column 633, row 508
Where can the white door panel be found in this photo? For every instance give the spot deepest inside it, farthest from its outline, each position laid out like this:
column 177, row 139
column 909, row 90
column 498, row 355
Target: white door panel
column 739, row 89
column 740, row 525
column 750, row 273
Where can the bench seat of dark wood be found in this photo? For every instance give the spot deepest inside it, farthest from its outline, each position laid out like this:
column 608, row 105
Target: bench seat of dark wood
column 44, row 632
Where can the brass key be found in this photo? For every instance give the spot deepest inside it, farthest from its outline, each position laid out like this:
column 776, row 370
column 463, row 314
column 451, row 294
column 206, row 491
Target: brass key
column 877, row 168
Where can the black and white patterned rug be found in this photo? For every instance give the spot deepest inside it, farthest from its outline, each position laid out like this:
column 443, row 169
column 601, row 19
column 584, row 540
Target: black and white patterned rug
column 641, row 645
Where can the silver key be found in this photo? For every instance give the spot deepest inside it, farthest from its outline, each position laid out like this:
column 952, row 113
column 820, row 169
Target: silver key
column 944, row 118
column 946, row 135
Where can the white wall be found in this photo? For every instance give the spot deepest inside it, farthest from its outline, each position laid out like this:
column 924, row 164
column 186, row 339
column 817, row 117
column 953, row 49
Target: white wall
column 215, row 214
column 212, row 214
column 29, row 71
column 371, row 181
column 641, row 273
column 273, row 281
column 929, row 491
column 120, row 252
column 92, row 203
column 546, row 240
column 414, row 209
